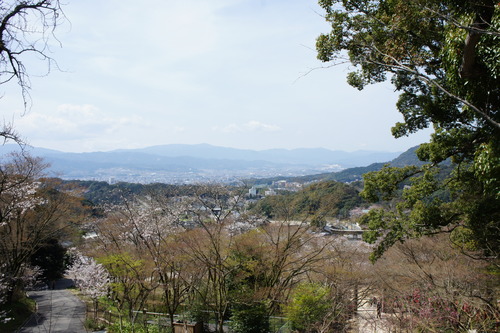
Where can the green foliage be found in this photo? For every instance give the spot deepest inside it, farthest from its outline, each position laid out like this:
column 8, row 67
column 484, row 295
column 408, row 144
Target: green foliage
column 127, row 327
column 18, row 311
column 92, row 325
column 249, row 318
column 423, row 201
column 51, row 258
column 266, row 207
column 316, row 202
column 443, row 58
column 197, row 311
column 384, row 184
column 125, row 270
column 308, row 307
column 129, row 285
column 102, row 193
column 487, row 168
column 344, row 176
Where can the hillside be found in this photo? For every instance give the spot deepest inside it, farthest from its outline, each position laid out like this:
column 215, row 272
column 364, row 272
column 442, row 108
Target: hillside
column 316, row 203
column 351, row 174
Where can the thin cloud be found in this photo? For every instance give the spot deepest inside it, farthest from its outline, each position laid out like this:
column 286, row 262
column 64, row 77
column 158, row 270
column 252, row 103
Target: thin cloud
column 251, row 126
column 255, row 126
column 74, row 121
column 220, row 72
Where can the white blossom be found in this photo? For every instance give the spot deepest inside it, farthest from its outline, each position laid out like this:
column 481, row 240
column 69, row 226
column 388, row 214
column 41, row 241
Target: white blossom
column 89, row 276
column 31, row 275
column 4, row 288
column 22, row 198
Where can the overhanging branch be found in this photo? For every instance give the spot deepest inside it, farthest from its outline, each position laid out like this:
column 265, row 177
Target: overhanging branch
column 397, row 65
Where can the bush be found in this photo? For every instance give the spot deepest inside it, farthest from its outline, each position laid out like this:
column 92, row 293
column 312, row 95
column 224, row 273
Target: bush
column 92, row 325
column 249, row 318
column 309, row 306
column 129, row 328
column 19, row 311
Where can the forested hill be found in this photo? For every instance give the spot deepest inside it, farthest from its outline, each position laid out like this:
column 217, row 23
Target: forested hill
column 409, row 157
column 316, row 203
column 100, row 192
column 103, row 193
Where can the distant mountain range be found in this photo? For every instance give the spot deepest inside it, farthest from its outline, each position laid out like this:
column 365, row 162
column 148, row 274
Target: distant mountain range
column 181, row 163
column 306, row 156
column 348, row 175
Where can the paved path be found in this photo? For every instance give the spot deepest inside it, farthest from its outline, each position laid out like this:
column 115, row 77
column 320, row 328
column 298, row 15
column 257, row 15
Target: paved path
column 58, row 311
column 368, row 321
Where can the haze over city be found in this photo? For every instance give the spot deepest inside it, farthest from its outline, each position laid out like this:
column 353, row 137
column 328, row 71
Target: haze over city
column 232, row 73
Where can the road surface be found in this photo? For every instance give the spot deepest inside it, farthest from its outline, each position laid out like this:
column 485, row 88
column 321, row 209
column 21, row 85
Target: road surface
column 58, row 311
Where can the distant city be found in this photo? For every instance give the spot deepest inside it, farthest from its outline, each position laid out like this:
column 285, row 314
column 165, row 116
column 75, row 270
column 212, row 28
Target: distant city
column 114, row 175
column 188, row 164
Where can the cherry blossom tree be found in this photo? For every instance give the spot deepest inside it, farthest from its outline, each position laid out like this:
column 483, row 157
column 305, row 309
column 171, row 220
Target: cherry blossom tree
column 4, row 287
column 31, row 212
column 29, row 279
column 18, row 198
column 136, row 246
column 154, row 231
column 89, row 276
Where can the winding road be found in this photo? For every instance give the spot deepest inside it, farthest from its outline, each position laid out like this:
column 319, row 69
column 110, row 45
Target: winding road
column 58, row 311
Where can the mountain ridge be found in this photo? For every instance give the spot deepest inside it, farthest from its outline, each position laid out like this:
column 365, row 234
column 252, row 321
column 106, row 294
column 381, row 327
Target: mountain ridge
column 194, row 163
column 276, row 155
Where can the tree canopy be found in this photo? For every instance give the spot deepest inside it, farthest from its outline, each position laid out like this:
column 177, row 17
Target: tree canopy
column 442, row 57
column 315, row 203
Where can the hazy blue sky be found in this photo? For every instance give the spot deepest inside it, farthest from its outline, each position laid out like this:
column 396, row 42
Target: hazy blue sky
column 224, row 72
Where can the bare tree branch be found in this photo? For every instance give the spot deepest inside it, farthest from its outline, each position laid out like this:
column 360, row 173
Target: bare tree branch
column 25, row 28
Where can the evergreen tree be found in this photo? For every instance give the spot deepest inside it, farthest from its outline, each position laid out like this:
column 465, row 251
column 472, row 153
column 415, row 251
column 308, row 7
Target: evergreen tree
column 442, row 56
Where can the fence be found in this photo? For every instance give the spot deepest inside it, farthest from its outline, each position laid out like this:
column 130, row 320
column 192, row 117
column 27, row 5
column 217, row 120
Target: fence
column 162, row 320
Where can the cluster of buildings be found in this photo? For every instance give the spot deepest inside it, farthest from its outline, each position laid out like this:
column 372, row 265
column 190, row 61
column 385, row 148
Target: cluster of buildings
column 264, row 190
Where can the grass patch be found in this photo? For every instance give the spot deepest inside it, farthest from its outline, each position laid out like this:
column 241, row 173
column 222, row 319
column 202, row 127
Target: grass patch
column 92, row 325
column 19, row 311
column 137, row 328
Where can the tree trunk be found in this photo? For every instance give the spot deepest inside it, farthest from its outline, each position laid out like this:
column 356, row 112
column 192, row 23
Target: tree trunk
column 470, row 67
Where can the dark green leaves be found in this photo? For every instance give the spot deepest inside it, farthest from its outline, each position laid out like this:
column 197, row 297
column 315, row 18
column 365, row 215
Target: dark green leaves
column 443, row 56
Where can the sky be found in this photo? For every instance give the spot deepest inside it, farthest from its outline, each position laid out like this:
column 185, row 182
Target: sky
column 232, row 73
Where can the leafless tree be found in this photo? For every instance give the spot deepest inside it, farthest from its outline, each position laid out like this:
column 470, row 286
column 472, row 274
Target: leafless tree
column 429, row 285
column 26, row 27
column 214, row 209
